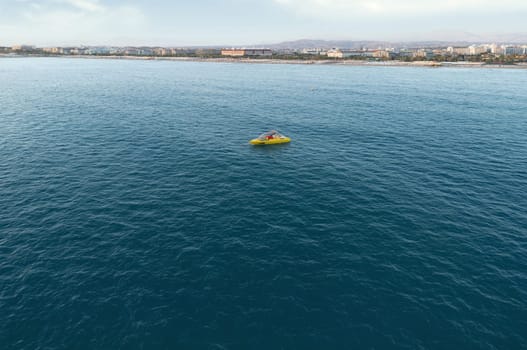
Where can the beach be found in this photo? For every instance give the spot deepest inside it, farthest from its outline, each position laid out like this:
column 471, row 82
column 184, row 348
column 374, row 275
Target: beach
column 340, row 62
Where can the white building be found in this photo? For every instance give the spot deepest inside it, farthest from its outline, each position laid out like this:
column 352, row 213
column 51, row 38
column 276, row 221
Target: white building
column 476, row 50
column 316, row 51
column 462, row 51
column 341, row 53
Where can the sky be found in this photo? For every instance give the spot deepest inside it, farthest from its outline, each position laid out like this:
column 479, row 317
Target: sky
column 252, row 22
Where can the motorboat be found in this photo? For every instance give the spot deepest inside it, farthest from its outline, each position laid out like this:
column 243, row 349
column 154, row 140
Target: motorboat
column 272, row 137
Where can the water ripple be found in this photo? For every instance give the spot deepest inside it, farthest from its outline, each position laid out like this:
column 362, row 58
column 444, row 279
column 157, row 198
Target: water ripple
column 133, row 214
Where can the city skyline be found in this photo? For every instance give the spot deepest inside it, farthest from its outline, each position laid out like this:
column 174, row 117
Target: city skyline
column 251, row 22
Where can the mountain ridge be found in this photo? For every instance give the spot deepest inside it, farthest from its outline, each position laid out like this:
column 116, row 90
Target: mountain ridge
column 469, row 39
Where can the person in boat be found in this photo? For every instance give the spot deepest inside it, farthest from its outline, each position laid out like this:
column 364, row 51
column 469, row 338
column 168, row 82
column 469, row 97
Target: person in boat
column 270, row 135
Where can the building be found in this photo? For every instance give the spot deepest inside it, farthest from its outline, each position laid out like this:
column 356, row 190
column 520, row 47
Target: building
column 207, row 52
column 513, row 50
column 161, row 51
column 342, row 53
column 233, row 52
column 79, row 51
column 406, row 53
column 132, row 51
column 461, row 51
column 476, row 50
column 334, row 53
column 382, row 54
column 137, row 51
column 97, row 50
column 22, row 48
column 315, row 52
column 246, row 52
column 54, row 50
column 423, row 53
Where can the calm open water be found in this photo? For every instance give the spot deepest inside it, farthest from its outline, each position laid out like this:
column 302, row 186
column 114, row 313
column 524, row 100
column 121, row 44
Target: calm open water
column 134, row 215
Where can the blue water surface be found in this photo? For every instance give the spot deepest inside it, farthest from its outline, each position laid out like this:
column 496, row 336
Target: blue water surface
column 134, row 215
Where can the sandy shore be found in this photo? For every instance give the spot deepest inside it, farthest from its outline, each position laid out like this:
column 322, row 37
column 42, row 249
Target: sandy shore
column 428, row 64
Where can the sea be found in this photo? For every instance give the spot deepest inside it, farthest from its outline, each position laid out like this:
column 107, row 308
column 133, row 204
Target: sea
column 135, row 215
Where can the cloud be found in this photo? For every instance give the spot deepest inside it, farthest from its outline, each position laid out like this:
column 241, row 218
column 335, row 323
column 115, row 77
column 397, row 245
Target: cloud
column 169, row 22
column 87, row 5
column 70, row 22
column 373, row 8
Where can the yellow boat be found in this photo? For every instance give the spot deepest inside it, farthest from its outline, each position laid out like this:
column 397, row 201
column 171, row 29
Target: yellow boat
column 272, row 137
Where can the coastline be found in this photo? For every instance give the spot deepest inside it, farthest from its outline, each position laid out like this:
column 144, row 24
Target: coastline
column 425, row 64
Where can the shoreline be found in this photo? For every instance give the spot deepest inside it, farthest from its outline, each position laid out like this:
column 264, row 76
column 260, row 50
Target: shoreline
column 425, row 64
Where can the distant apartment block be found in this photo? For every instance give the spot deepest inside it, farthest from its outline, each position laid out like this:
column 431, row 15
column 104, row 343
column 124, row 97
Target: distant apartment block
column 22, row 47
column 97, row 51
column 163, row 51
column 406, row 52
column 342, row 53
column 138, row 51
column 53, row 50
column 382, row 54
column 514, row 50
column 207, row 52
column 474, row 50
column 423, row 53
column 459, row 51
column 314, row 51
column 246, row 52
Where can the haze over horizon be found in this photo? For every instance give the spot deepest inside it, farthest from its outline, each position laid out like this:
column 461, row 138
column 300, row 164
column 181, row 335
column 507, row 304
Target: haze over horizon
column 250, row 22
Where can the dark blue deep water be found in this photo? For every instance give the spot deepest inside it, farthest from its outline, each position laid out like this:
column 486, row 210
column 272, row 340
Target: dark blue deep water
column 134, row 215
